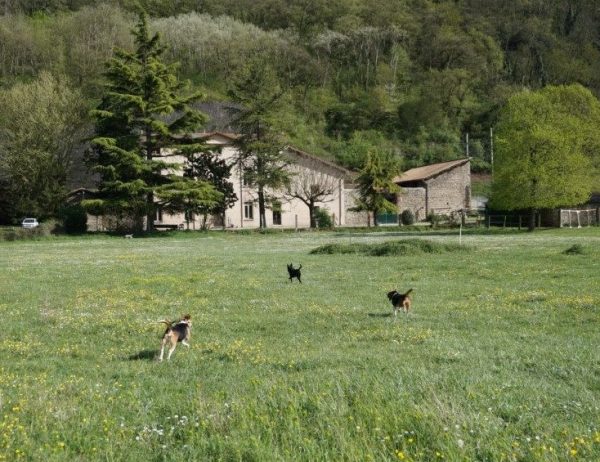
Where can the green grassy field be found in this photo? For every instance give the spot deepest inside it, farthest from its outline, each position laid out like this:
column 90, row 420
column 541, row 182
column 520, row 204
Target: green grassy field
column 499, row 360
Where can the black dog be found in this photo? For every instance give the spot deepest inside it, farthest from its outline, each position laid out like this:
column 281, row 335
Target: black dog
column 294, row 272
column 400, row 301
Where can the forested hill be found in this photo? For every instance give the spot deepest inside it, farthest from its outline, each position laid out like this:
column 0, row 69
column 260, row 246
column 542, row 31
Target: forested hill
column 413, row 76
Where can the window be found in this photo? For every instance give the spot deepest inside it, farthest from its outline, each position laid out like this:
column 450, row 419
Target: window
column 276, row 213
column 248, row 211
column 246, row 177
column 159, row 214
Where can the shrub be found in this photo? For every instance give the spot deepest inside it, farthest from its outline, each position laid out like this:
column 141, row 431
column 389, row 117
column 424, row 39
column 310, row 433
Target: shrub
column 575, row 249
column 391, row 248
column 323, row 219
column 74, row 219
column 407, row 217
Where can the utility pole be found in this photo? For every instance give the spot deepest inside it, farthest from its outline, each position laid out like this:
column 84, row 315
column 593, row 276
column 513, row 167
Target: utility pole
column 492, row 148
column 467, row 143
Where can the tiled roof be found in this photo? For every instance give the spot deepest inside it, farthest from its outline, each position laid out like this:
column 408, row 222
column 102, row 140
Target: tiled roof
column 312, row 157
column 428, row 171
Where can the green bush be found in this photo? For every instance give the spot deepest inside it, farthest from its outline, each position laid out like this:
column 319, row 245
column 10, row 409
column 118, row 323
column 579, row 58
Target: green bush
column 575, row 249
column 391, row 248
column 323, row 219
column 74, row 218
column 407, row 217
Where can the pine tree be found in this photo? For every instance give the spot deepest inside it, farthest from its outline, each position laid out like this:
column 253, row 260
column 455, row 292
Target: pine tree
column 140, row 122
column 260, row 145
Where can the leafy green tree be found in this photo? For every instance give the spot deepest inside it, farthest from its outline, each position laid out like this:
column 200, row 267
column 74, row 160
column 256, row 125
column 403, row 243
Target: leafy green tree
column 546, row 144
column 207, row 166
column 190, row 197
column 139, row 119
column 375, row 184
column 89, row 36
column 41, row 123
column 260, row 144
column 353, row 153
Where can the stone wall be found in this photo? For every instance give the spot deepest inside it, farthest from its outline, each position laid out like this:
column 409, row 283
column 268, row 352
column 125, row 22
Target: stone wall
column 413, row 199
column 353, row 218
column 443, row 194
column 450, row 191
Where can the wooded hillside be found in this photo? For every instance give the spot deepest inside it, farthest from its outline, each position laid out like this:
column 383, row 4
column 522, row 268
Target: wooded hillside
column 413, row 77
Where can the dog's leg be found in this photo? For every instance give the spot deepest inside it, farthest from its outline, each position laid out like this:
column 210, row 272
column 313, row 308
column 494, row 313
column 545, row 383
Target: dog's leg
column 171, row 350
column 184, row 342
column 162, row 351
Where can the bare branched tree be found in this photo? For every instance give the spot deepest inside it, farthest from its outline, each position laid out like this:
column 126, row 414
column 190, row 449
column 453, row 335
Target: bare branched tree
column 311, row 187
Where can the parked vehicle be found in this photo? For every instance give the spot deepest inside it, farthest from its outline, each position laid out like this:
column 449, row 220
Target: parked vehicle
column 30, row 223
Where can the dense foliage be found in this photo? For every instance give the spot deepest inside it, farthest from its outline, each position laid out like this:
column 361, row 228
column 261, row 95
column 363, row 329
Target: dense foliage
column 414, row 76
column 544, row 144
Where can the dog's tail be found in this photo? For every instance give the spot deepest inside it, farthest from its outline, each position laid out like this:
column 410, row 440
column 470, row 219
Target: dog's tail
column 408, row 292
column 300, row 267
column 165, row 321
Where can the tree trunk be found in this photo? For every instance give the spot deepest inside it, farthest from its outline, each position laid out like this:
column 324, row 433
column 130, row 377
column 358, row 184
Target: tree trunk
column 261, row 208
column 311, row 211
column 150, row 196
column 531, row 225
column 150, row 211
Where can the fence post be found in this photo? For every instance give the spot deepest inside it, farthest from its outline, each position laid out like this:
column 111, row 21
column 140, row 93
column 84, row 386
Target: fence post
column 519, row 222
column 504, row 223
column 488, row 221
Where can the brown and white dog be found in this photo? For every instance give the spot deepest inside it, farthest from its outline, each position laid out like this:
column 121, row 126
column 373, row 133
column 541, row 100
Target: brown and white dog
column 400, row 301
column 177, row 331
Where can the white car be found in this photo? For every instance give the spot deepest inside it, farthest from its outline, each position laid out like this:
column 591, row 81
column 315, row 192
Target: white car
column 30, row 223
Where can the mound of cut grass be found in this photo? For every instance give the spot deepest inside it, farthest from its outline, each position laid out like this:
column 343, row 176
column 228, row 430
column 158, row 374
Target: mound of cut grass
column 391, row 248
column 575, row 249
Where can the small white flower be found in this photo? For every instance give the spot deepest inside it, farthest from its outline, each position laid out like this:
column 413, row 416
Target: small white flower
column 460, row 443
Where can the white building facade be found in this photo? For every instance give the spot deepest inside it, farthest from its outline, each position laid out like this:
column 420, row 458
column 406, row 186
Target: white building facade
column 284, row 211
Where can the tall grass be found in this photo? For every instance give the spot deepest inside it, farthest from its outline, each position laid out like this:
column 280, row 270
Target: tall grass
column 497, row 362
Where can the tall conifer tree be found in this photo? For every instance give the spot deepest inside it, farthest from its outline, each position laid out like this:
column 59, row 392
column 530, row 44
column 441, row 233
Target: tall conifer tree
column 257, row 89
column 141, row 117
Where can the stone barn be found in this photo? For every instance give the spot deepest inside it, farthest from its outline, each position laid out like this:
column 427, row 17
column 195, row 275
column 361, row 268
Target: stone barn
column 442, row 189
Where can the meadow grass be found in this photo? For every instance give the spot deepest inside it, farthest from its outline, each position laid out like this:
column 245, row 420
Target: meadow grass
column 498, row 361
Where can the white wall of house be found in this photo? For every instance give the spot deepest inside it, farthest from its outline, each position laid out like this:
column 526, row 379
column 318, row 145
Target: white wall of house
column 292, row 213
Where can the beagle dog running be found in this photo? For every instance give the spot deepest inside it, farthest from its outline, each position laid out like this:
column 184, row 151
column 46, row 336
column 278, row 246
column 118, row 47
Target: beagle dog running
column 400, row 301
column 177, row 331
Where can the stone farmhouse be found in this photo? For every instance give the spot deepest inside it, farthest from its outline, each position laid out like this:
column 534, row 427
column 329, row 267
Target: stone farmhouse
column 442, row 189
